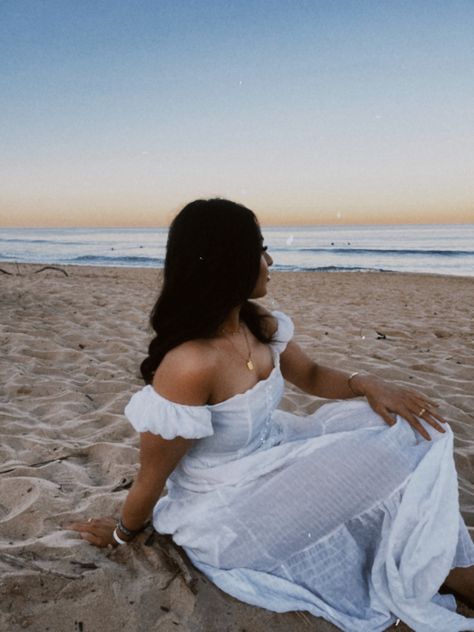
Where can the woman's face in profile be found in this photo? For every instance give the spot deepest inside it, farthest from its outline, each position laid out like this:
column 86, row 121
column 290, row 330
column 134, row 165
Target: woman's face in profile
column 260, row 288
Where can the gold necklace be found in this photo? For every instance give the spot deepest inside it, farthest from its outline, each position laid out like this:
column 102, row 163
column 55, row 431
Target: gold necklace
column 248, row 361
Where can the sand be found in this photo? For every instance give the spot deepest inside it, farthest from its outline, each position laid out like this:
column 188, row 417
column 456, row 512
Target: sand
column 71, row 346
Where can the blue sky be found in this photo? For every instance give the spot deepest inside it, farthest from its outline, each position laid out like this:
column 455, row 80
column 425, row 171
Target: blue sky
column 118, row 113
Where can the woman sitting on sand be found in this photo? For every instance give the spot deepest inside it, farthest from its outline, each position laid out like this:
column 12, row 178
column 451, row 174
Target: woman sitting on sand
column 350, row 513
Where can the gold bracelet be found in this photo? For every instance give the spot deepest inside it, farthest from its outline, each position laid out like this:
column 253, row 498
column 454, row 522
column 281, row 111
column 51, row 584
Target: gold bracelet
column 352, row 375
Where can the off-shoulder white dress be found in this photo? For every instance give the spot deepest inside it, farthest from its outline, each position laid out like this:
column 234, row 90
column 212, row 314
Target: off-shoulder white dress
column 335, row 513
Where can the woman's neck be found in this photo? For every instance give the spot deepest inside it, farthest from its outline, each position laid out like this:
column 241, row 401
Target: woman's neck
column 232, row 322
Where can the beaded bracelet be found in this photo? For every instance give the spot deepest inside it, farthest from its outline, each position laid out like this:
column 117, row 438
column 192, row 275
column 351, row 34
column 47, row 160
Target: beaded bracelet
column 130, row 533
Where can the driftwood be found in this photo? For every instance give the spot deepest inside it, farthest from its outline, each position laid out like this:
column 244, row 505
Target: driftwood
column 52, row 268
column 18, row 272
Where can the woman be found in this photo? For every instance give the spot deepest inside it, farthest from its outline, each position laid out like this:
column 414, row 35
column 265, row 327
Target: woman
column 350, row 513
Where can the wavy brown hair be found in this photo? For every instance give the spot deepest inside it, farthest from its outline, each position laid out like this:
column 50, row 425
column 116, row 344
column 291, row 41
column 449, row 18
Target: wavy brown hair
column 211, row 266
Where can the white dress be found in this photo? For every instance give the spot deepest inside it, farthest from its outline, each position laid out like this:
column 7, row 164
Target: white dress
column 335, row 513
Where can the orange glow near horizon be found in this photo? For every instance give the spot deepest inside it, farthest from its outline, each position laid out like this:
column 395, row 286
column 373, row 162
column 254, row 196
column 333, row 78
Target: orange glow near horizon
column 103, row 217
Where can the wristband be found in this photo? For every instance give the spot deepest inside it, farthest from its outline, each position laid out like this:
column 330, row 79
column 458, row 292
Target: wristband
column 117, row 538
column 130, row 533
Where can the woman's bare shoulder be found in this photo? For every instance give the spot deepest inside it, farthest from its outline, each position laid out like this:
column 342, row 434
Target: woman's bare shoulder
column 187, row 373
column 269, row 321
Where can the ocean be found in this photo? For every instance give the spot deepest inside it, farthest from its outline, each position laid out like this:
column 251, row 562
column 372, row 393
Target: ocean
column 439, row 249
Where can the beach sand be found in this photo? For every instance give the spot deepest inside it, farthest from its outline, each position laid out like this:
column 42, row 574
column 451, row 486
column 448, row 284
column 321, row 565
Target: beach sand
column 71, row 346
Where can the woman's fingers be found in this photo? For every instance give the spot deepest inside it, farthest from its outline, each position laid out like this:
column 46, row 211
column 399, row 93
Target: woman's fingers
column 404, row 412
column 435, row 415
column 427, row 412
column 93, row 539
column 410, row 404
column 416, row 423
column 77, row 526
column 432, row 421
column 426, row 401
column 95, row 531
column 430, row 418
column 420, row 405
column 386, row 416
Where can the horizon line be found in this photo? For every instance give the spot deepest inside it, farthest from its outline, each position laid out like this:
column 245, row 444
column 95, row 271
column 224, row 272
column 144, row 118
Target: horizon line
column 263, row 225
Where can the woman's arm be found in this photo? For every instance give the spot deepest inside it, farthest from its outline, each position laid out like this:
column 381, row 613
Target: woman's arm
column 385, row 398
column 158, row 458
column 313, row 378
column 185, row 377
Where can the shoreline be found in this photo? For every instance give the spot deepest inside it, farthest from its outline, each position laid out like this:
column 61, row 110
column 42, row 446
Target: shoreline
column 11, row 268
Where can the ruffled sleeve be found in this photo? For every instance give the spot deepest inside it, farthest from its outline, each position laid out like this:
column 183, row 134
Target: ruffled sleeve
column 148, row 411
column 284, row 332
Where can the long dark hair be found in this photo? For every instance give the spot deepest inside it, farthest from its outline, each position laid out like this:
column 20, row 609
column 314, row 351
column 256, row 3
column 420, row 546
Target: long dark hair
column 211, row 266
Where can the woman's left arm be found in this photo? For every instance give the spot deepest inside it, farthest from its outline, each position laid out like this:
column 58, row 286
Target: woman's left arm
column 385, row 398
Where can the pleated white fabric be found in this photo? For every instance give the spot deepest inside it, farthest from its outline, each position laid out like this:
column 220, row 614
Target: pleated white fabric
column 336, row 513
column 192, row 422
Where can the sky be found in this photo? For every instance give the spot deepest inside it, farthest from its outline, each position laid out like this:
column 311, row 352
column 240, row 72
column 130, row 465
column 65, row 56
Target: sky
column 119, row 112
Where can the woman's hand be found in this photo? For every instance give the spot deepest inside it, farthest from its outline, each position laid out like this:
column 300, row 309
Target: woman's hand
column 387, row 399
column 97, row 531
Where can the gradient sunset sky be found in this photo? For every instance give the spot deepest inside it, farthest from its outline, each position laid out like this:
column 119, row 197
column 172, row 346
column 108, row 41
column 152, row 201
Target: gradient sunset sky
column 117, row 113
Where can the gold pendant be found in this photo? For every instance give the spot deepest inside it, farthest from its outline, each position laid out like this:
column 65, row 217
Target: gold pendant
column 250, row 364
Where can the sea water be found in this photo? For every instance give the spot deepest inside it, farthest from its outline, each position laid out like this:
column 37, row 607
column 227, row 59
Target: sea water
column 439, row 249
